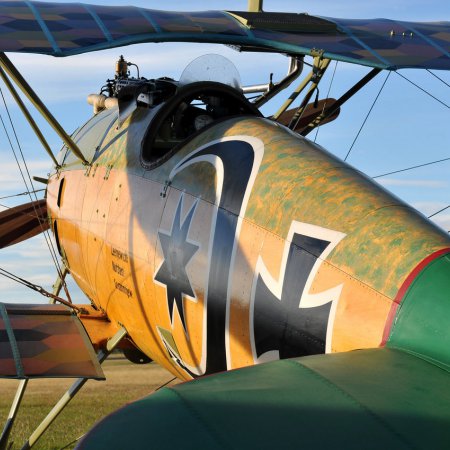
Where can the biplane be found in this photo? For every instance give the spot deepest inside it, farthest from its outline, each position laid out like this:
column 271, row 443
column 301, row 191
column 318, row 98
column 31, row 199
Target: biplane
column 304, row 304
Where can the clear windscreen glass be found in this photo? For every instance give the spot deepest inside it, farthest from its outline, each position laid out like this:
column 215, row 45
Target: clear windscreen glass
column 211, row 67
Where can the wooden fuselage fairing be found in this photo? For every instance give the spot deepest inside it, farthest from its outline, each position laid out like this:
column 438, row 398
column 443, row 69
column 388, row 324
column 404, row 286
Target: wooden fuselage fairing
column 245, row 243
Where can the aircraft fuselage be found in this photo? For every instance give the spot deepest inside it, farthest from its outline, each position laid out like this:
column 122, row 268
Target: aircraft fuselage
column 245, row 243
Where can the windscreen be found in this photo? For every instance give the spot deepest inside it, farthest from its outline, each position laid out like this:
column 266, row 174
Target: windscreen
column 211, row 67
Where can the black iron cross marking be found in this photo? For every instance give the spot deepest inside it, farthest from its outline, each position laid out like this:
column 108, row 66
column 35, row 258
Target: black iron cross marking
column 279, row 323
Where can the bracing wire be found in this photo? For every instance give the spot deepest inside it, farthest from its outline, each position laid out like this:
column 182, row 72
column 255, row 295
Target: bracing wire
column 439, row 78
column 367, row 116
column 72, row 442
column 428, row 163
column 20, row 280
column 19, row 147
column 21, row 193
column 423, row 90
column 12, row 148
column 328, row 93
column 49, row 244
column 46, row 233
column 411, row 168
column 438, row 212
column 20, row 150
column 165, row 384
column 36, row 287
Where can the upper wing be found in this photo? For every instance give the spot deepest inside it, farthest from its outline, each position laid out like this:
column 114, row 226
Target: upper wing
column 366, row 399
column 63, row 29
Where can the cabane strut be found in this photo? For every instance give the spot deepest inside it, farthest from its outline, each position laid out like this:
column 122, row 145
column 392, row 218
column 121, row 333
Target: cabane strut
column 11, row 70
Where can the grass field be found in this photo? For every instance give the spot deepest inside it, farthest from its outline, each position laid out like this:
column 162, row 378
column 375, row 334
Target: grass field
column 125, row 382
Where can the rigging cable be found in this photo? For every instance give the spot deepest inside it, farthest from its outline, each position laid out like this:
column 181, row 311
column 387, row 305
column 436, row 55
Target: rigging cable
column 37, row 288
column 328, row 93
column 45, row 233
column 165, row 384
column 422, row 89
column 437, row 212
column 411, row 168
column 72, row 442
column 53, row 254
column 439, row 78
column 367, row 116
column 428, row 163
column 18, row 195
column 20, row 150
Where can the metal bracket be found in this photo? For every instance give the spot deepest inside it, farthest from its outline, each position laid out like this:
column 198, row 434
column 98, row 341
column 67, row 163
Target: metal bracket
column 94, row 170
column 87, row 172
column 317, row 53
column 108, row 171
column 314, row 76
column 91, row 169
column 319, row 69
column 163, row 193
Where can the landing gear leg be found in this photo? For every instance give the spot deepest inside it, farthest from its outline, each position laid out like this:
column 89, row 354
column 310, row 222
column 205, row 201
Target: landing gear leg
column 12, row 414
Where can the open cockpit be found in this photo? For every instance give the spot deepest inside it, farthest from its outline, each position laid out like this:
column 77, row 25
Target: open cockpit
column 179, row 109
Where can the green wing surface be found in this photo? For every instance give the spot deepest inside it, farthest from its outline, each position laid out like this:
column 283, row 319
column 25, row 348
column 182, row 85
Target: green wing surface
column 396, row 397
column 370, row 399
column 63, row 29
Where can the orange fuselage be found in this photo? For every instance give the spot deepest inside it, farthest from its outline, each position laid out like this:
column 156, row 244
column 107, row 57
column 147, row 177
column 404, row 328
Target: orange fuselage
column 248, row 243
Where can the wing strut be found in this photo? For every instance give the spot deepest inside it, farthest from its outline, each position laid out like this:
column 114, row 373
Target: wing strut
column 13, row 414
column 27, row 115
column 59, row 284
column 11, row 70
column 329, row 113
column 255, row 5
column 315, row 75
column 295, row 69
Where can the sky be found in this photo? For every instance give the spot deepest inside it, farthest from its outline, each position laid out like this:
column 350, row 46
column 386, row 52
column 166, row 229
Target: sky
column 406, row 127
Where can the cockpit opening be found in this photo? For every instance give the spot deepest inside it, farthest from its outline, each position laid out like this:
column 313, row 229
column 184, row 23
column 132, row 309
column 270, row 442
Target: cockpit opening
column 209, row 90
column 192, row 108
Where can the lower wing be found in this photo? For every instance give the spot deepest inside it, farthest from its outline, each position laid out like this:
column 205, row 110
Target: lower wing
column 378, row 398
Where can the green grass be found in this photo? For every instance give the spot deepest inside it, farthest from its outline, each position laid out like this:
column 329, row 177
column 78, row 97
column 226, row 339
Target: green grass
column 125, row 382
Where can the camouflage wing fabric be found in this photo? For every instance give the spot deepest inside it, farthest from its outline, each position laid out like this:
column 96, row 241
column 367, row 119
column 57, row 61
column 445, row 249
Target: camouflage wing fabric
column 64, row 29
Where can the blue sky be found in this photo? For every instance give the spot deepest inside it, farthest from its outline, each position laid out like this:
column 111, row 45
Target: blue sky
column 406, row 127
